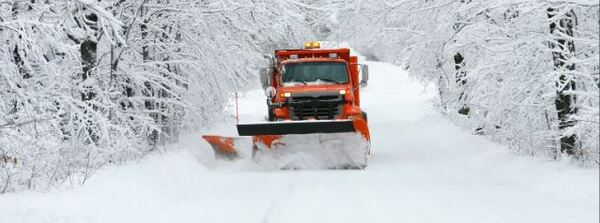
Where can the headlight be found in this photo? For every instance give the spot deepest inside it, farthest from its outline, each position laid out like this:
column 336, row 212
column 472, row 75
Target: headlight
column 342, row 91
column 286, row 95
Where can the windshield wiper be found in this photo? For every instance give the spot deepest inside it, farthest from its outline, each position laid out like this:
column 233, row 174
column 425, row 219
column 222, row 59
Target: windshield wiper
column 298, row 81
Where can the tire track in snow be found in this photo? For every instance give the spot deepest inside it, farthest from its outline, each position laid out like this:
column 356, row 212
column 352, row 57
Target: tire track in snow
column 279, row 200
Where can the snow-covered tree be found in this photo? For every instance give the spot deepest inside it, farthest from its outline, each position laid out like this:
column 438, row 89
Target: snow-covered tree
column 84, row 83
column 525, row 73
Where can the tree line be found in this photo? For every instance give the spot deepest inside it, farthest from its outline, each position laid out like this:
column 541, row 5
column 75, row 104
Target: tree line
column 523, row 73
column 84, row 83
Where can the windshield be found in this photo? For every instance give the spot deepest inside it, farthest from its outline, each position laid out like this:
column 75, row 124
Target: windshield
column 315, row 73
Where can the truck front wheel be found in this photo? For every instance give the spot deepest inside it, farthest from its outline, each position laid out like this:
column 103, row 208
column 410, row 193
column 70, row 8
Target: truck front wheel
column 271, row 115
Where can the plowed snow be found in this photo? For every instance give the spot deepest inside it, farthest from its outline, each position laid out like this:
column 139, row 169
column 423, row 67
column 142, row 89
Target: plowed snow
column 316, row 151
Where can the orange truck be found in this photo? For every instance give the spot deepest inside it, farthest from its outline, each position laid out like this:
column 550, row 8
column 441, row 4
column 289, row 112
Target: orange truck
column 310, row 91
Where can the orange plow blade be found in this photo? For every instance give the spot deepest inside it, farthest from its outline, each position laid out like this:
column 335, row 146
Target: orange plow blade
column 296, row 137
column 224, row 147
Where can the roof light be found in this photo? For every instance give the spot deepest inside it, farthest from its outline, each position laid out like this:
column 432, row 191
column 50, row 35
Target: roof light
column 312, row 45
column 294, row 56
column 333, row 55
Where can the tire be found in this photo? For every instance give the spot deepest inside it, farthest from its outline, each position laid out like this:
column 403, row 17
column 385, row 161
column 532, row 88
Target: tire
column 271, row 115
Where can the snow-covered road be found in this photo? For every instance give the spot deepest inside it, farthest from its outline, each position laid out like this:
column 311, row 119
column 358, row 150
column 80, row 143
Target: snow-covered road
column 423, row 169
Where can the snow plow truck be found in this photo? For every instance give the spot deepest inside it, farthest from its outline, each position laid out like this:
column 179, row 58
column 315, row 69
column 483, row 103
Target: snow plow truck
column 314, row 118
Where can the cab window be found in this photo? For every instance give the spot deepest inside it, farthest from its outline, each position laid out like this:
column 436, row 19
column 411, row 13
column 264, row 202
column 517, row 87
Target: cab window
column 315, row 72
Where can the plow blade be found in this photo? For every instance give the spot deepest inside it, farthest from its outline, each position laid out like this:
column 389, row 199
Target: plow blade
column 296, row 127
column 224, row 147
column 298, row 144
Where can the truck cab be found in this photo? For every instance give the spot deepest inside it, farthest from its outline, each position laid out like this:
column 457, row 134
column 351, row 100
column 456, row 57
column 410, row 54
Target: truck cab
column 313, row 84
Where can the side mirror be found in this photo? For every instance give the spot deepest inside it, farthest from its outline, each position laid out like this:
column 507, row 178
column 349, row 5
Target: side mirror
column 364, row 70
column 270, row 58
column 265, row 77
column 270, row 92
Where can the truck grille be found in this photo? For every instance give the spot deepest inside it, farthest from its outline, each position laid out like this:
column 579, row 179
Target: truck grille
column 318, row 107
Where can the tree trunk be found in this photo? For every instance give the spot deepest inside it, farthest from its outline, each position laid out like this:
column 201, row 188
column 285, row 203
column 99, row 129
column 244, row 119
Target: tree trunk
column 148, row 90
column 19, row 54
column 461, row 81
column 89, row 50
column 563, row 50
